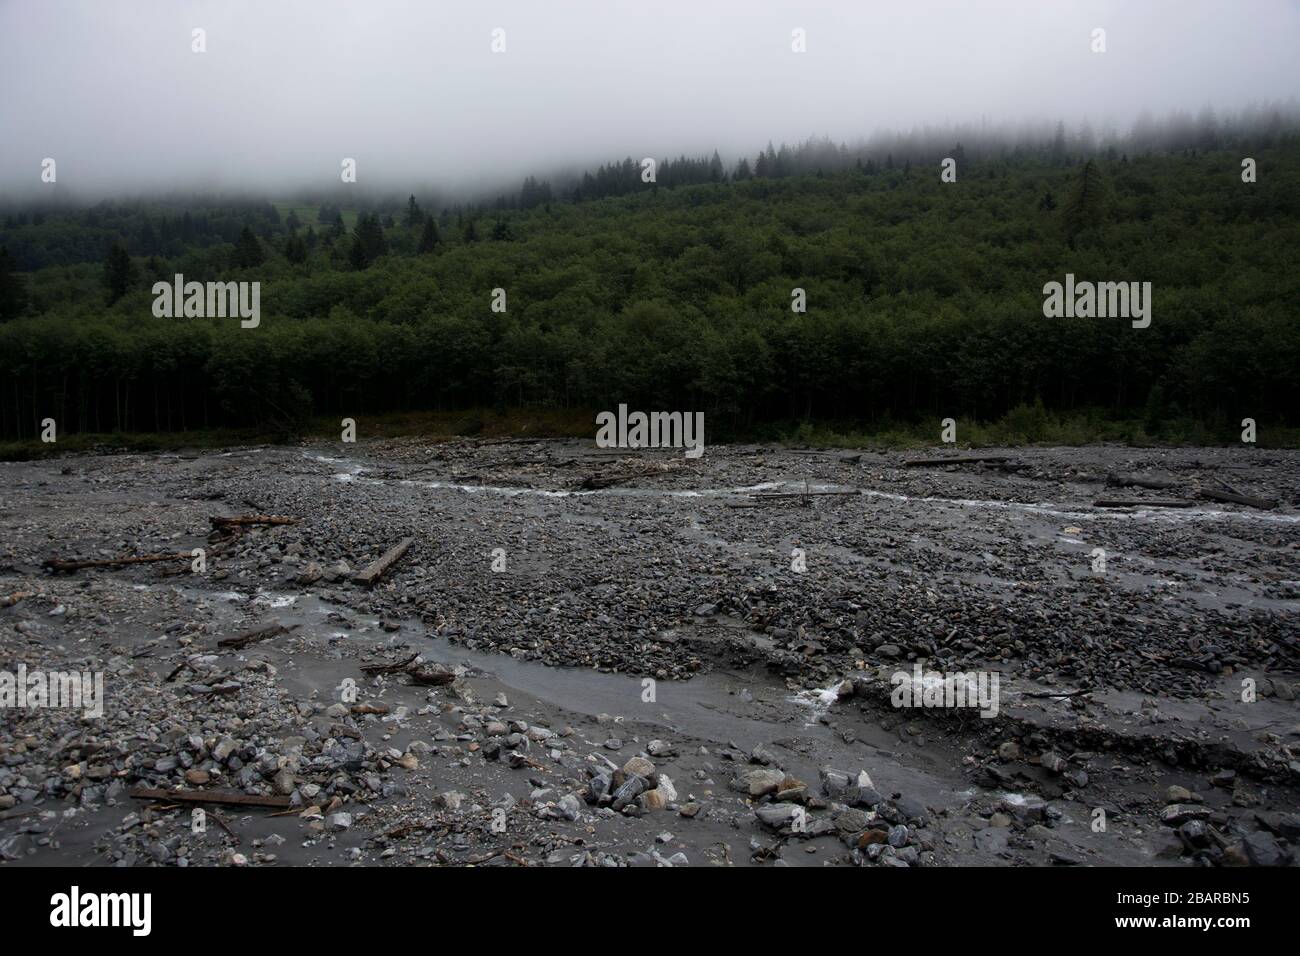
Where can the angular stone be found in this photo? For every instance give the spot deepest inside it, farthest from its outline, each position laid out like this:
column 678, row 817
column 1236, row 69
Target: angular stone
column 778, row 816
column 757, row 783
column 1263, row 850
column 639, row 767
column 1177, row 813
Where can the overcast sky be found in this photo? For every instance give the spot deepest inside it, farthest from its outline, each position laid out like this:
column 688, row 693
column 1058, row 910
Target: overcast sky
column 412, row 90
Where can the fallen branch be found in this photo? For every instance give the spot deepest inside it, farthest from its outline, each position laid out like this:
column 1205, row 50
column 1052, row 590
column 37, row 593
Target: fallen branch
column 274, row 629
column 179, row 667
column 370, row 576
column 1225, row 486
column 1141, row 481
column 403, row 829
column 1143, row 503
column 966, row 460
column 389, row 668
column 1263, row 504
column 225, row 826
column 629, row 468
column 243, row 521
column 62, row 564
column 224, row 797
column 22, row 812
column 806, row 494
column 433, row 676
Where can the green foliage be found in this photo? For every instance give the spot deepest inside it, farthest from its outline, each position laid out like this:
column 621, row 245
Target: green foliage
column 413, row 214
column 248, row 251
column 1086, row 207
column 368, row 242
column 429, row 238
column 13, row 288
column 295, row 250
column 924, row 302
column 120, row 272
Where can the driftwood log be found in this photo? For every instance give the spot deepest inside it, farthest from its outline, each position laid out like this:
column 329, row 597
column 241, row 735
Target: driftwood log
column 963, row 460
column 68, row 565
column 1141, row 481
column 389, row 668
column 245, row 521
column 1264, row 504
column 432, row 675
column 227, row 797
column 371, row 575
column 1143, row 503
column 274, row 629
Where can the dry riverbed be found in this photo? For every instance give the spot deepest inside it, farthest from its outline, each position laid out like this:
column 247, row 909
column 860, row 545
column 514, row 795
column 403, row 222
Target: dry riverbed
column 610, row 659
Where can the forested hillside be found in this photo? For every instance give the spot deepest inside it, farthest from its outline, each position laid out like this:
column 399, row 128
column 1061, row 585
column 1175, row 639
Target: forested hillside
column 924, row 298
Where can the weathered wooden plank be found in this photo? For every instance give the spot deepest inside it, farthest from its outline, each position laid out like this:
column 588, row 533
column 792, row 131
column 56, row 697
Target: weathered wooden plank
column 1141, row 481
column 241, row 521
column 806, row 494
column 1143, row 503
column 61, row 564
column 211, row 796
column 963, row 460
column 370, row 575
column 1264, row 504
column 274, row 629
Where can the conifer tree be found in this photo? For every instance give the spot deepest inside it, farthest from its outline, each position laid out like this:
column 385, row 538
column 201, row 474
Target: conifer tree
column 120, row 272
column 248, row 251
column 413, row 215
column 13, row 287
column 429, row 239
column 1086, row 206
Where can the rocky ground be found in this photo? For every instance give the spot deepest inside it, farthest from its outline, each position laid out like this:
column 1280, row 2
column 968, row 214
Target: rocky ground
column 609, row 660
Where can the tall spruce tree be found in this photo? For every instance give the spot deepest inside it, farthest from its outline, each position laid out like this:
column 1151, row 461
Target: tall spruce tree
column 13, row 287
column 413, row 215
column 1086, row 206
column 429, row 239
column 248, row 251
column 295, row 250
column 120, row 273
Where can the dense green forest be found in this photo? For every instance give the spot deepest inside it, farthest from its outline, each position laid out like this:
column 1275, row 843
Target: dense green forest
column 924, row 298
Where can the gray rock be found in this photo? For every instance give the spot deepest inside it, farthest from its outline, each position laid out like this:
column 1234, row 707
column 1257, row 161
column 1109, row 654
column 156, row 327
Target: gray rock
column 757, row 783
column 639, row 766
column 1053, row 762
column 1177, row 813
column 1263, row 850
column 778, row 816
column 282, row 782
column 570, row 806
column 632, row 788
column 224, row 748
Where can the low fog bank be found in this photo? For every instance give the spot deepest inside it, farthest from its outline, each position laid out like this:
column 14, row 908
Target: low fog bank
column 462, row 100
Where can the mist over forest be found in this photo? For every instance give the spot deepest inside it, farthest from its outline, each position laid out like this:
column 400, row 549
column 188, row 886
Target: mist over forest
column 790, row 218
